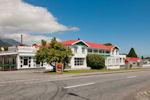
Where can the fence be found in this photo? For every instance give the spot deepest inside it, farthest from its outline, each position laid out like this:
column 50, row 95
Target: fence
column 8, row 67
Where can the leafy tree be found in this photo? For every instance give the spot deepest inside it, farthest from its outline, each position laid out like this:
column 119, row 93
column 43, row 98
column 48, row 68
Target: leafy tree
column 142, row 57
column 132, row 53
column 42, row 53
column 54, row 52
column 95, row 61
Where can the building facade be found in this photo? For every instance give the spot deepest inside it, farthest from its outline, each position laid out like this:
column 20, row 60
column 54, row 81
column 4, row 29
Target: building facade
column 19, row 57
column 22, row 57
column 80, row 49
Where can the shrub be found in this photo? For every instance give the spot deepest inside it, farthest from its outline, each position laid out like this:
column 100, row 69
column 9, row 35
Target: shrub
column 95, row 61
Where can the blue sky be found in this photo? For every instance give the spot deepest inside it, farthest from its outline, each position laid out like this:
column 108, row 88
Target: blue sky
column 125, row 23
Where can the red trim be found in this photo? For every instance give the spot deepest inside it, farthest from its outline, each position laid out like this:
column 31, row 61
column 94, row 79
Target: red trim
column 91, row 44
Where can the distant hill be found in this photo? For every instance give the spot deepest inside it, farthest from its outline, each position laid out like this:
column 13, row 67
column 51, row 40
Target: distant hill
column 8, row 42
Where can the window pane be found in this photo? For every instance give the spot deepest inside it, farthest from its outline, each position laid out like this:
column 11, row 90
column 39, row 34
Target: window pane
column 79, row 61
column 89, row 50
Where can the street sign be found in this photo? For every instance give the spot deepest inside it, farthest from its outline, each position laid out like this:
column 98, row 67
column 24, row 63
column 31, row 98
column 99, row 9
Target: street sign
column 59, row 68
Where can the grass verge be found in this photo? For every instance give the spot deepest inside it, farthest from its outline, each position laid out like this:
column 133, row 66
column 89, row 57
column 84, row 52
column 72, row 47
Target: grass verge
column 94, row 70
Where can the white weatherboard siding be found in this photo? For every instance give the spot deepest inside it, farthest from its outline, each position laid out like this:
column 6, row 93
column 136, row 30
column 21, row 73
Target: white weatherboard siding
column 78, row 54
column 115, row 60
column 24, row 56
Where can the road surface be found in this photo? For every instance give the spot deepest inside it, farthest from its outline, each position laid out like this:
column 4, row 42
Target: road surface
column 40, row 86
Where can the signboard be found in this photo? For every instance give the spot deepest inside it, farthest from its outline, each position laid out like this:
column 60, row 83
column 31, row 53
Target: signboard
column 59, row 68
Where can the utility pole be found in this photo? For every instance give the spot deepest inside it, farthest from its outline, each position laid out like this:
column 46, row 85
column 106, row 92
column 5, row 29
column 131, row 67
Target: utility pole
column 21, row 39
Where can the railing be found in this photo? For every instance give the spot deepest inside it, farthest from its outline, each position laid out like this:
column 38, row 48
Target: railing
column 8, row 66
column 26, row 49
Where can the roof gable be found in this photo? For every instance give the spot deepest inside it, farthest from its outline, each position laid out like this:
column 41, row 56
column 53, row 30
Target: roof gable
column 89, row 44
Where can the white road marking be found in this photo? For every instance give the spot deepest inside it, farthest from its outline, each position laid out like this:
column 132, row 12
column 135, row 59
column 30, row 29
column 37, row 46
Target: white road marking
column 74, row 86
column 131, row 77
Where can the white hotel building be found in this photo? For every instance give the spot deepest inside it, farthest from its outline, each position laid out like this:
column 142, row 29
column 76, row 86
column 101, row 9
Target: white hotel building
column 22, row 57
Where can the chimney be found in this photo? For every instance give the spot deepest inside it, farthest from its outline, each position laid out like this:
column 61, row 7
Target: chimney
column 21, row 39
column 78, row 38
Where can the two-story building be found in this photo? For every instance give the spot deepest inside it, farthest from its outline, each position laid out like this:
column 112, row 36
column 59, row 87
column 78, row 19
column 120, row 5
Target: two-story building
column 80, row 48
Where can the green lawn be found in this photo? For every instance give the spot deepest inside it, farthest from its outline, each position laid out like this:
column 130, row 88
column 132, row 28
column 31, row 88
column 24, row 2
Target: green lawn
column 93, row 70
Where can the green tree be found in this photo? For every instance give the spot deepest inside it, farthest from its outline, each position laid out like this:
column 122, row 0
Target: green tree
column 142, row 57
column 55, row 52
column 95, row 61
column 42, row 53
column 59, row 53
column 132, row 53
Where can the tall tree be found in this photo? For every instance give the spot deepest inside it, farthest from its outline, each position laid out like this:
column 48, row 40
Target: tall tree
column 42, row 53
column 132, row 53
column 142, row 57
column 55, row 52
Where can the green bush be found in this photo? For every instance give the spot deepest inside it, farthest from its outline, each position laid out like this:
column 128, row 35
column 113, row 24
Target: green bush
column 95, row 61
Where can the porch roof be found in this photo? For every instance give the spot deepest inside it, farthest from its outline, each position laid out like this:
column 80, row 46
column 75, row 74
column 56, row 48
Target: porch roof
column 8, row 53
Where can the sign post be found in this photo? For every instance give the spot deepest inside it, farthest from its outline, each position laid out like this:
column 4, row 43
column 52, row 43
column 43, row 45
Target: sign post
column 59, row 68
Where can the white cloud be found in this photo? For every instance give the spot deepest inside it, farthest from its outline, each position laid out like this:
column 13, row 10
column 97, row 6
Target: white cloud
column 16, row 16
column 28, row 38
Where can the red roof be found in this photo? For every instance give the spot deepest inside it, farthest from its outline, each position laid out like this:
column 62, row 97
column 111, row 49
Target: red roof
column 132, row 59
column 39, row 45
column 91, row 44
column 69, row 42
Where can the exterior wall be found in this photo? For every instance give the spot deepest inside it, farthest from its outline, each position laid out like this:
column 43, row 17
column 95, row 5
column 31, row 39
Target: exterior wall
column 133, row 64
column 28, row 53
column 22, row 53
column 78, row 54
column 115, row 61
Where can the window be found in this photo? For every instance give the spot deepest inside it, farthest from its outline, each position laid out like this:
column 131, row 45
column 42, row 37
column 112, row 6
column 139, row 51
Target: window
column 100, row 51
column 107, row 51
column 95, row 51
column 104, row 51
column 83, row 50
column 90, row 50
column 78, row 61
column 25, row 61
column 75, row 49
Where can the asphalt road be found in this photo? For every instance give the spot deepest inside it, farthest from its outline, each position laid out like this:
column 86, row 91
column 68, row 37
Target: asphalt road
column 39, row 86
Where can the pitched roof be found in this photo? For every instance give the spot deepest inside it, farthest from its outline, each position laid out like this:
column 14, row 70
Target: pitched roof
column 90, row 44
column 69, row 42
column 132, row 59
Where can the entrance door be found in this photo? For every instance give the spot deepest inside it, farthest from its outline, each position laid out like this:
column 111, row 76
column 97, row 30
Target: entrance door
column 25, row 62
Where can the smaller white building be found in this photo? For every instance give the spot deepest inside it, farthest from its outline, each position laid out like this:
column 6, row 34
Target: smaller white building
column 19, row 57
